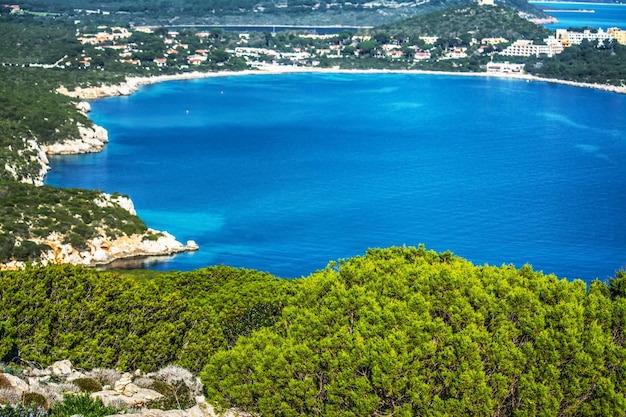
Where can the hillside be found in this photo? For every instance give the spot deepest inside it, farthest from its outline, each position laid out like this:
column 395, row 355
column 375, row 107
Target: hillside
column 399, row 331
column 46, row 224
column 227, row 12
column 480, row 21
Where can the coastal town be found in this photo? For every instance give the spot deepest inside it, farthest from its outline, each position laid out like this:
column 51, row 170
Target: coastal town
column 181, row 49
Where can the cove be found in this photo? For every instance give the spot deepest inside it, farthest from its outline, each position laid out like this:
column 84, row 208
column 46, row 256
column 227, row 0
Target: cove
column 284, row 173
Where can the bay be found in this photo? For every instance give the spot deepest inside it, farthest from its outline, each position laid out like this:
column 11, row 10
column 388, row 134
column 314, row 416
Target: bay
column 284, row 173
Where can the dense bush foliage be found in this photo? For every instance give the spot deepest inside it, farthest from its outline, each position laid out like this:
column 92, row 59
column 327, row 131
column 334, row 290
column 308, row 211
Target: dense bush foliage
column 28, row 40
column 410, row 332
column 103, row 319
column 588, row 62
column 362, row 12
column 81, row 405
column 33, row 110
column 400, row 331
column 482, row 22
column 87, row 384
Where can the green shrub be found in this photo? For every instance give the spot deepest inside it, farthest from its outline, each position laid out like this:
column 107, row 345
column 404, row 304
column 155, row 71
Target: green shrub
column 83, row 405
column 34, row 400
column 88, row 384
column 175, row 396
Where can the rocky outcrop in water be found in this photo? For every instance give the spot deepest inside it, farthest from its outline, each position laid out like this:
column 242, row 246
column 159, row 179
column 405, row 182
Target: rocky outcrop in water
column 103, row 249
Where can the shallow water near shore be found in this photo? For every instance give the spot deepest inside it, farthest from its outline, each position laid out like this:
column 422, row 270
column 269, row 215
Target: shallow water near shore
column 284, row 173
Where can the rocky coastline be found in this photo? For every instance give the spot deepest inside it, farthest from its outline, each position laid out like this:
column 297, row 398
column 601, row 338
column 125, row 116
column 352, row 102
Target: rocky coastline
column 103, row 249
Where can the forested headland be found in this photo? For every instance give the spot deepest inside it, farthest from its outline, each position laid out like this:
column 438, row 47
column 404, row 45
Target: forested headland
column 399, row 331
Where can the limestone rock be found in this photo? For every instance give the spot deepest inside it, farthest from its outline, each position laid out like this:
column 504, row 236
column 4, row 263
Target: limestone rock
column 17, row 383
column 61, row 368
column 107, row 200
column 122, row 382
column 84, row 107
column 92, row 139
column 38, row 373
column 130, row 395
column 94, row 92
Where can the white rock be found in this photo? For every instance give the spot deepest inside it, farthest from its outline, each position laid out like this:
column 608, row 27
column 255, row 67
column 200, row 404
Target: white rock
column 61, row 368
column 122, row 382
column 84, row 107
column 138, row 399
column 40, row 373
column 17, row 383
column 130, row 390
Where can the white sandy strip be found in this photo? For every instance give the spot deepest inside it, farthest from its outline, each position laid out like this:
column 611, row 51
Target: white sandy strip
column 283, row 69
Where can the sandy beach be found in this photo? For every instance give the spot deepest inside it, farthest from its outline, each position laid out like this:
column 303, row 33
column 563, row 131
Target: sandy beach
column 282, row 69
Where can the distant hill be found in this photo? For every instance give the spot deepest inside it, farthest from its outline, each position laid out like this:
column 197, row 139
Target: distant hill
column 232, row 12
column 482, row 21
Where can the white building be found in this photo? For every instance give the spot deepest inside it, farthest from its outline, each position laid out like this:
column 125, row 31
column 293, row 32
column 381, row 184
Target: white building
column 568, row 37
column 528, row 48
column 504, row 67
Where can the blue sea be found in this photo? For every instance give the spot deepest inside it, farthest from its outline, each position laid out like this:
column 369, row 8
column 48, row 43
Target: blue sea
column 596, row 15
column 284, row 173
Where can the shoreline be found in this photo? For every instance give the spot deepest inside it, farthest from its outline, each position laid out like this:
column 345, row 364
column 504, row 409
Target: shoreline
column 132, row 84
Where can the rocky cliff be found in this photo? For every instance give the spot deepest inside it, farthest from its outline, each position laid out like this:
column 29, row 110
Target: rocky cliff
column 31, row 165
column 92, row 139
column 104, row 248
column 93, row 92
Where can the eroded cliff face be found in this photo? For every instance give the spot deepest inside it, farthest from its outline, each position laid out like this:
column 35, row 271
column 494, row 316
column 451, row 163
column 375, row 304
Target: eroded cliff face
column 92, row 139
column 105, row 249
column 94, row 92
column 31, row 163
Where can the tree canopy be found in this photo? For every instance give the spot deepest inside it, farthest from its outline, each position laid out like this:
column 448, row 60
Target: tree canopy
column 399, row 331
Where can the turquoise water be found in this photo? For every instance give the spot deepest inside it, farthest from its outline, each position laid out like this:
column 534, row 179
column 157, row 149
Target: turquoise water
column 604, row 15
column 283, row 173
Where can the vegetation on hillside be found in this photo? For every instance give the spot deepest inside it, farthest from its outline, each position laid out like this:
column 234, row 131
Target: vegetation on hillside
column 588, row 62
column 468, row 20
column 29, row 213
column 400, row 331
column 329, row 12
column 32, row 113
column 112, row 320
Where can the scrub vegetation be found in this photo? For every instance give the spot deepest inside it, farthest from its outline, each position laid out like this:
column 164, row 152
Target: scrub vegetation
column 399, row 331
column 233, row 12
